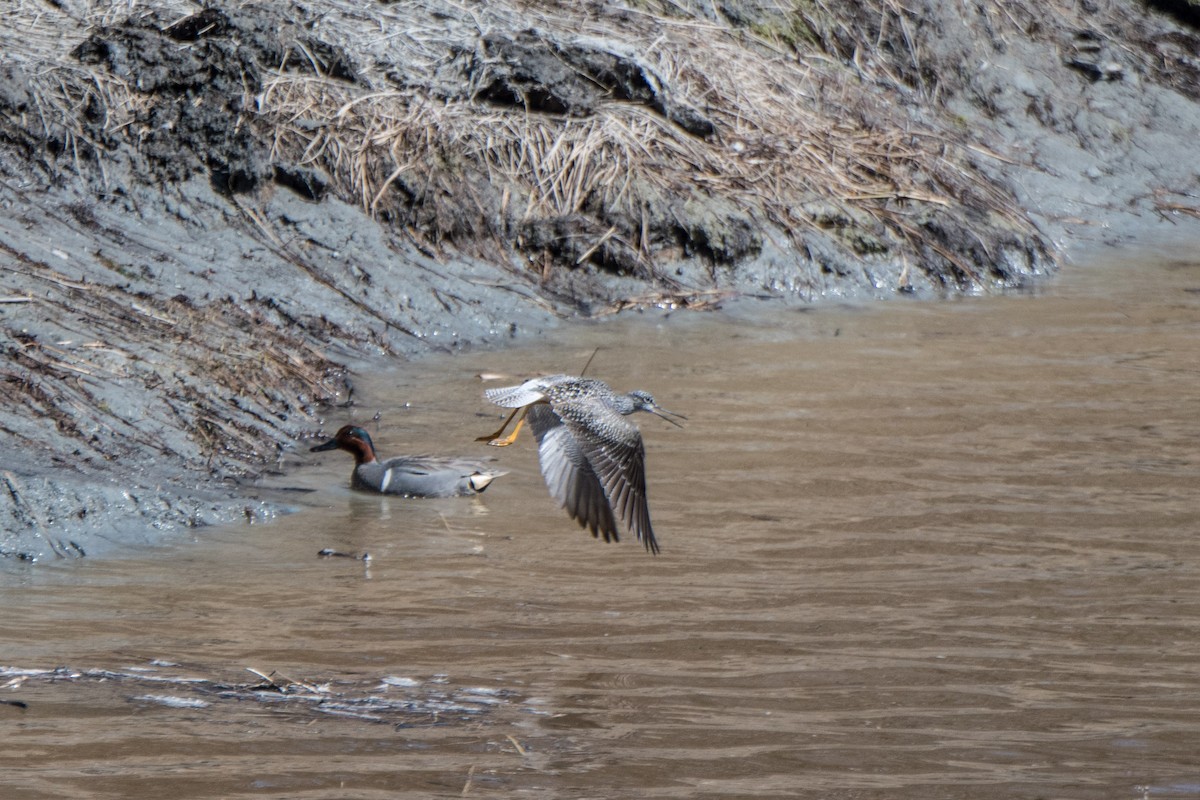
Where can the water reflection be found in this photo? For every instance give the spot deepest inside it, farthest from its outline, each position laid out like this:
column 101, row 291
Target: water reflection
column 910, row 550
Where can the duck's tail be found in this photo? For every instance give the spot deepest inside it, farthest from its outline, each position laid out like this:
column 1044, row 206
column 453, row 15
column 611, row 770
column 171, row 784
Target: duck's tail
column 482, row 479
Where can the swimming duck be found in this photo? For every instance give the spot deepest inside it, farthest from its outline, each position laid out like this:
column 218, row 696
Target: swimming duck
column 592, row 457
column 412, row 476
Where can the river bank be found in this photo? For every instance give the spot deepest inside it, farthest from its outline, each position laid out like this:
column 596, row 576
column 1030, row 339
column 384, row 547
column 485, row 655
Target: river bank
column 209, row 214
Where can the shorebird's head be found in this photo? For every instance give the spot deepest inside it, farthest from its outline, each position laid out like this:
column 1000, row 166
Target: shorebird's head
column 644, row 401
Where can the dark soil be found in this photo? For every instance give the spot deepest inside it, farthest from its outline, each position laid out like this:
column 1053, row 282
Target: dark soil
column 188, row 270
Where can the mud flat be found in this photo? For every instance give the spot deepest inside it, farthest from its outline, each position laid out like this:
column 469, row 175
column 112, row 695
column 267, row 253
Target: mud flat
column 209, row 213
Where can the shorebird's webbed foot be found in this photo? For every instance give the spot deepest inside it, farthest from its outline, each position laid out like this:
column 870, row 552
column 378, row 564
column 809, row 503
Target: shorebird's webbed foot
column 494, row 439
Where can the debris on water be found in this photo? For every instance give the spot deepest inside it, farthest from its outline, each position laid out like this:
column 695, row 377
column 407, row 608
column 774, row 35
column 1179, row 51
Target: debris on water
column 171, row 701
column 483, row 696
column 392, row 680
column 400, row 701
column 331, row 553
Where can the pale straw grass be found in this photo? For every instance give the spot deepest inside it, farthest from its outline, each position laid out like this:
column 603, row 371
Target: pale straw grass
column 790, row 128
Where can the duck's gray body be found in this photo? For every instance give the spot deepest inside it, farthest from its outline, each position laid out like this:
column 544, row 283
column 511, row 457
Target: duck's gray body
column 591, row 455
column 411, row 476
column 423, row 476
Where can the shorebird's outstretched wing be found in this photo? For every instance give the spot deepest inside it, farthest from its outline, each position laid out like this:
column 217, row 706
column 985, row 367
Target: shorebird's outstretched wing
column 612, row 447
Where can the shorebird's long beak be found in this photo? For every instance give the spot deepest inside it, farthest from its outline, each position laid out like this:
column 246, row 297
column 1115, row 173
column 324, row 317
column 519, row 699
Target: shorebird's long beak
column 659, row 411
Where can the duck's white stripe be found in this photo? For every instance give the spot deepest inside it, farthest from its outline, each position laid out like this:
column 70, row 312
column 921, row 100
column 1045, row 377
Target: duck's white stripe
column 387, row 478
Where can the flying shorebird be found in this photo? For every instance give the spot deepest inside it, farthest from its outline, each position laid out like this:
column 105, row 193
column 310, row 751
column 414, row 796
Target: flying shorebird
column 592, row 457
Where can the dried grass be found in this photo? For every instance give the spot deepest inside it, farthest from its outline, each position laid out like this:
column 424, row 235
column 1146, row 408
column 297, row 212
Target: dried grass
column 775, row 145
column 410, row 145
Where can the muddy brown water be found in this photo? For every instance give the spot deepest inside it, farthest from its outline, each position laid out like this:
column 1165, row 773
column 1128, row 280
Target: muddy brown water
column 912, row 550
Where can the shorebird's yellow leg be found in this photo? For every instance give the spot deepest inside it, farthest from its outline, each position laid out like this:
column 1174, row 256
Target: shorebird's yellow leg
column 494, row 439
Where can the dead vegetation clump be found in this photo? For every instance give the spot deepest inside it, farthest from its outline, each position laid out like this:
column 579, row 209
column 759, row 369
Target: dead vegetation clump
column 622, row 137
column 630, row 140
column 625, row 138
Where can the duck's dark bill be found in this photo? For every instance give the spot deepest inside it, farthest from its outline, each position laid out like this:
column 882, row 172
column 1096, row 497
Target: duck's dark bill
column 330, row 445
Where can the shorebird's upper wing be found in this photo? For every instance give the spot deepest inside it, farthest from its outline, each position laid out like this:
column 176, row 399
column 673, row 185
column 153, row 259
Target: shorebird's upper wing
column 531, row 391
column 514, row 396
